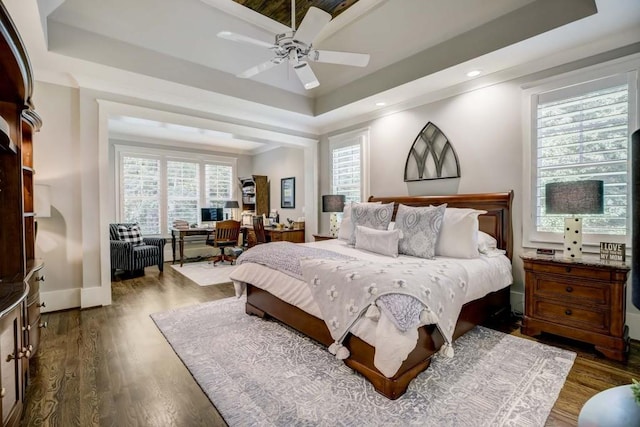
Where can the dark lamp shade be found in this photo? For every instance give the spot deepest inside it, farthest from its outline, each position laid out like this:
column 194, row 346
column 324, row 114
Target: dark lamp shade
column 333, row 203
column 576, row 197
column 231, row 204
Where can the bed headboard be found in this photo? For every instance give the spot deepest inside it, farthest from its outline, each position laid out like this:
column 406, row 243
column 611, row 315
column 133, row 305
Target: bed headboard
column 496, row 222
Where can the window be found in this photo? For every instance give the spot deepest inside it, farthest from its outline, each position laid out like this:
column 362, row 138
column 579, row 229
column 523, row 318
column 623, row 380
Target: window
column 140, row 195
column 581, row 132
column 349, row 165
column 155, row 187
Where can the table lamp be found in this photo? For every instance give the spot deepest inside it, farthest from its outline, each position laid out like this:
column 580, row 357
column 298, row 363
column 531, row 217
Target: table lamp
column 233, row 205
column 575, row 198
column 333, row 203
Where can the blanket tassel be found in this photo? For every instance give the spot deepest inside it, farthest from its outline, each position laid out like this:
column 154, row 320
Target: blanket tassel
column 428, row 317
column 446, row 350
column 341, row 352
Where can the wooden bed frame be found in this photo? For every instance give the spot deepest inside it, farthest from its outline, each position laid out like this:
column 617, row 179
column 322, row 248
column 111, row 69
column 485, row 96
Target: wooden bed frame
column 496, row 222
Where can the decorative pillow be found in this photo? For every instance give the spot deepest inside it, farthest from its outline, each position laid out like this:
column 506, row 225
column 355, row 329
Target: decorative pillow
column 459, row 233
column 486, row 243
column 130, row 234
column 382, row 242
column 372, row 215
column 346, row 226
column 420, row 228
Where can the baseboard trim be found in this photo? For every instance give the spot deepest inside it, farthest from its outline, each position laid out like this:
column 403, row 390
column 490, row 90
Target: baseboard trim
column 60, row 300
column 95, row 296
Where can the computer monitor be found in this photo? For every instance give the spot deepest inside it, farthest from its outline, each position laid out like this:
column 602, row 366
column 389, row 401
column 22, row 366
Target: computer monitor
column 211, row 214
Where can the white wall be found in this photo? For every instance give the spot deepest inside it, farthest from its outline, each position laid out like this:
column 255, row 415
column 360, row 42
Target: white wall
column 57, row 163
column 281, row 163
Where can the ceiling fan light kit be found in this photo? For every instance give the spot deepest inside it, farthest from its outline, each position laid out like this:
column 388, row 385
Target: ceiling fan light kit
column 296, row 47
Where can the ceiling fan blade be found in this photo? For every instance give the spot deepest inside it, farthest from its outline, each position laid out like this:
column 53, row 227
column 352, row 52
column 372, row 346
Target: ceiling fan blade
column 259, row 68
column 313, row 22
column 228, row 35
column 306, row 75
column 343, row 58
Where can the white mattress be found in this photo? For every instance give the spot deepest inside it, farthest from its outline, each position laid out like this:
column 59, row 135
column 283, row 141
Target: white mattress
column 486, row 274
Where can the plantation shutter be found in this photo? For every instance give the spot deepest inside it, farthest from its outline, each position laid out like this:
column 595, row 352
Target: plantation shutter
column 218, row 184
column 183, row 183
column 141, row 192
column 582, row 132
column 346, row 171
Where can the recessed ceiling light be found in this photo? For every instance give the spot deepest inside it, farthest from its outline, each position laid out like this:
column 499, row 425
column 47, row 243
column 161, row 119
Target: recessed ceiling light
column 474, row 73
column 380, row 104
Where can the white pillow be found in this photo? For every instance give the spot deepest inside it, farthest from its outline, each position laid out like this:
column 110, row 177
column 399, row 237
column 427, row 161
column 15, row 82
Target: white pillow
column 486, row 243
column 346, row 226
column 459, row 233
column 382, row 242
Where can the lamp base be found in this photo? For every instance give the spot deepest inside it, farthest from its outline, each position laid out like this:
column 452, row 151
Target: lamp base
column 573, row 238
column 333, row 225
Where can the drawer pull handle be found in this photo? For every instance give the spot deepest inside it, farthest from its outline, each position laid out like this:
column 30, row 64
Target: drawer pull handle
column 567, row 269
column 40, row 279
column 42, row 304
column 43, row 325
column 567, row 312
column 569, row 289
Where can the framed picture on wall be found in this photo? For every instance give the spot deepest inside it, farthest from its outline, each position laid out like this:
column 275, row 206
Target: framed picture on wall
column 288, row 193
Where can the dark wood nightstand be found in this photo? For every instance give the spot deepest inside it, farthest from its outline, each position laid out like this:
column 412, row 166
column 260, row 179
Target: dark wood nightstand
column 321, row 237
column 582, row 299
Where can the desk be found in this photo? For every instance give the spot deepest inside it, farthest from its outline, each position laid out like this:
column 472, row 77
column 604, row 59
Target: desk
column 185, row 232
column 273, row 235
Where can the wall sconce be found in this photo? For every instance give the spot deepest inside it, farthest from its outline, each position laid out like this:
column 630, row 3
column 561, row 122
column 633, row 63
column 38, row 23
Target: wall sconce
column 333, row 203
column 575, row 198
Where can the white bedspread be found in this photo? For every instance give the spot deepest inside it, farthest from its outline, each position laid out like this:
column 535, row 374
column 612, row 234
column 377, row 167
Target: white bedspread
column 486, row 274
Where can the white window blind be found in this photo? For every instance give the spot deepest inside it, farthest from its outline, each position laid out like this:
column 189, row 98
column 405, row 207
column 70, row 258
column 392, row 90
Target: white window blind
column 183, row 184
column 156, row 186
column 581, row 133
column 140, row 183
column 349, row 156
column 218, row 184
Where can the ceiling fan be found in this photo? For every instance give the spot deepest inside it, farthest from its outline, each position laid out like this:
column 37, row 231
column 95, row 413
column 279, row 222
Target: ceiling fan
column 296, row 47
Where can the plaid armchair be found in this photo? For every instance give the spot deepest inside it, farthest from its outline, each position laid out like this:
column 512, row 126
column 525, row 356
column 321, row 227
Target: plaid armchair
column 131, row 257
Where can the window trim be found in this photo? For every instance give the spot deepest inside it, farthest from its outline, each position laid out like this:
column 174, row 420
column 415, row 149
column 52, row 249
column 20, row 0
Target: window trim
column 531, row 238
column 354, row 137
column 164, row 156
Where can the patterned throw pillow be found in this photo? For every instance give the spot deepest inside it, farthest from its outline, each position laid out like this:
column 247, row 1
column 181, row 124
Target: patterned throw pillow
column 346, row 226
column 130, row 234
column 382, row 242
column 420, row 228
column 372, row 215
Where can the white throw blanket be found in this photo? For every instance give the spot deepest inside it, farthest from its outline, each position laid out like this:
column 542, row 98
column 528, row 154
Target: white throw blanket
column 345, row 290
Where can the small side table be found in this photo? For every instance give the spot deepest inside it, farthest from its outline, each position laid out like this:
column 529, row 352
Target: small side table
column 614, row 407
column 321, row 237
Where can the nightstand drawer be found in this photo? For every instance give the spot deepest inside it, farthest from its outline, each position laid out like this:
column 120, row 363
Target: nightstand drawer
column 276, row 237
column 573, row 271
column 567, row 314
column 570, row 290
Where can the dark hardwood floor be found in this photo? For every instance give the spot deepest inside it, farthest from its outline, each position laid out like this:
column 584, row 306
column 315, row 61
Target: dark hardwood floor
column 111, row 366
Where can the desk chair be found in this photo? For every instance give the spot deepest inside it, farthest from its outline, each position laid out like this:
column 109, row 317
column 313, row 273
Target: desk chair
column 225, row 239
column 258, row 230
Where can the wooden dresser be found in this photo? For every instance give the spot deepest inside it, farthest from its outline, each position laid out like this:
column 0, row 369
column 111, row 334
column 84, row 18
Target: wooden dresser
column 580, row 299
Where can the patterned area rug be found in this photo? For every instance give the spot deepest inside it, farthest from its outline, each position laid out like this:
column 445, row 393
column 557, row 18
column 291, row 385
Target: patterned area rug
column 204, row 273
column 260, row 373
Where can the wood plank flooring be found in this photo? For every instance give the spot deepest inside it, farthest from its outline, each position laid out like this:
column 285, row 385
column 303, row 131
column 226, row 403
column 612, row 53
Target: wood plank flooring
column 111, row 366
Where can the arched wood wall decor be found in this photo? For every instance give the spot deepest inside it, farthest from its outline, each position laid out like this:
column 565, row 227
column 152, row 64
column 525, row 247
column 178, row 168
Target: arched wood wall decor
column 431, row 157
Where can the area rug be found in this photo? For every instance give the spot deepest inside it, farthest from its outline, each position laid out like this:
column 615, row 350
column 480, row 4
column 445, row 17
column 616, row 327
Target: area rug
column 260, row 373
column 205, row 273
